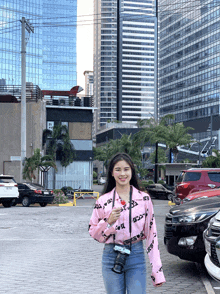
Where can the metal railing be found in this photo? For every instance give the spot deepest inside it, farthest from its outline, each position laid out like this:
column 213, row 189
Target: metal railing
column 33, row 93
column 79, row 194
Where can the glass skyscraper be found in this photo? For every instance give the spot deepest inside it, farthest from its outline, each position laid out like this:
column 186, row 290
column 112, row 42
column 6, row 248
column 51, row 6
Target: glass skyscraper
column 189, row 63
column 50, row 50
column 123, row 60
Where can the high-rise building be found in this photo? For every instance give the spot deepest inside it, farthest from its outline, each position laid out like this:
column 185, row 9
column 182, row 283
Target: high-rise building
column 189, row 65
column 123, row 60
column 89, row 80
column 50, row 50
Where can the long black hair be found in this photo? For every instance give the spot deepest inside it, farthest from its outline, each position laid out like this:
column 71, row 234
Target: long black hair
column 110, row 181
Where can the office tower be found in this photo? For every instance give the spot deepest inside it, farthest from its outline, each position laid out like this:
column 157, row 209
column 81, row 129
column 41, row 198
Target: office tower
column 59, row 44
column 189, row 66
column 50, row 50
column 123, row 60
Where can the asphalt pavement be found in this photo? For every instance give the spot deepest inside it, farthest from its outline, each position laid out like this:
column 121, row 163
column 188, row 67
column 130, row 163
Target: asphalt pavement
column 49, row 250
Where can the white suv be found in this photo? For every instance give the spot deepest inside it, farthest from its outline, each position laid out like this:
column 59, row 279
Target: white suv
column 8, row 190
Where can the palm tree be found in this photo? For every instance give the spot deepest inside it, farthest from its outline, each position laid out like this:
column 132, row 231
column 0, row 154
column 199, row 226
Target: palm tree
column 165, row 131
column 126, row 143
column 177, row 135
column 35, row 162
column 212, row 161
column 59, row 145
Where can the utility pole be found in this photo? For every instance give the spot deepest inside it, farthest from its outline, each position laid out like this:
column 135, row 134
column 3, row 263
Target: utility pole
column 24, row 26
column 156, row 86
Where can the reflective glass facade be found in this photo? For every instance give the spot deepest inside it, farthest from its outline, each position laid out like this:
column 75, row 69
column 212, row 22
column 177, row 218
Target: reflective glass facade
column 189, row 67
column 50, row 50
column 123, row 60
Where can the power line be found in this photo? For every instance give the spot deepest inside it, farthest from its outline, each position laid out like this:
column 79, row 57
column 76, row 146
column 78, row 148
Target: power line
column 190, row 6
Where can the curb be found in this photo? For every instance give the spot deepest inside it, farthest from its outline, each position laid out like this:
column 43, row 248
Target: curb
column 204, row 279
column 67, row 204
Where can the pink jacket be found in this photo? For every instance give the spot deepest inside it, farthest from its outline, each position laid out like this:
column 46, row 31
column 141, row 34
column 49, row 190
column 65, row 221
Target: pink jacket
column 143, row 226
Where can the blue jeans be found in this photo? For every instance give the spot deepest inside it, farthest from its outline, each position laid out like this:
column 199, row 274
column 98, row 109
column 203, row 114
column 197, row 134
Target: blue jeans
column 134, row 276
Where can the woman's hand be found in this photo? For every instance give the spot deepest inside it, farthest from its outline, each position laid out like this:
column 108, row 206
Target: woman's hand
column 159, row 285
column 115, row 214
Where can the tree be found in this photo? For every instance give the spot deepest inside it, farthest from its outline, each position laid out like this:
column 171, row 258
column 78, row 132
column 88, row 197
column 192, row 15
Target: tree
column 161, row 155
column 213, row 161
column 165, row 131
column 34, row 163
column 177, row 135
column 59, row 144
column 127, row 144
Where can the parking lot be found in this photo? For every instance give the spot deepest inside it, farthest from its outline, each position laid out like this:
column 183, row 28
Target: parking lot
column 48, row 250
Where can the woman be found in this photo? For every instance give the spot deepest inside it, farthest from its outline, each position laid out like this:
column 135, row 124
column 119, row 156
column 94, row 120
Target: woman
column 122, row 230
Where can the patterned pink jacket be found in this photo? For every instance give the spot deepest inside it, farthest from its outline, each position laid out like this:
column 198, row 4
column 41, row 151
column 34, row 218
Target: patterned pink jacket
column 143, row 226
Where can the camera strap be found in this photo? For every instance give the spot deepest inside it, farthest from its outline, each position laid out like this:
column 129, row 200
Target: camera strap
column 130, row 199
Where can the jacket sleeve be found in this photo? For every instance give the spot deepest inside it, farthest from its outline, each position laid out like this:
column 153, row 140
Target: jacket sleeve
column 152, row 247
column 98, row 224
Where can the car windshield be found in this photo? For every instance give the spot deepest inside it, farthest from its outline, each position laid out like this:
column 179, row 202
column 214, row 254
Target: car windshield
column 189, row 177
column 7, row 180
column 180, row 177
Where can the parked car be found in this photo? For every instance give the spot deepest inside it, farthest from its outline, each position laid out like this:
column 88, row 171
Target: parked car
column 159, row 191
column 101, row 180
column 197, row 179
column 30, row 193
column 8, row 190
column 184, row 226
column 202, row 194
column 212, row 244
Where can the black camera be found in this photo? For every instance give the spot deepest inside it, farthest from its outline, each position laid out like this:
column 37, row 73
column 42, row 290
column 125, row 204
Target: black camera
column 120, row 259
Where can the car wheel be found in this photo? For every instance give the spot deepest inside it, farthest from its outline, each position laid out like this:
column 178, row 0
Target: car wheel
column 25, row 201
column 170, row 197
column 43, row 204
column 6, row 203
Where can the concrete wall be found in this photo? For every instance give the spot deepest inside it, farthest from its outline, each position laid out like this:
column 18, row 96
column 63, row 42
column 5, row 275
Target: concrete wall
column 10, row 133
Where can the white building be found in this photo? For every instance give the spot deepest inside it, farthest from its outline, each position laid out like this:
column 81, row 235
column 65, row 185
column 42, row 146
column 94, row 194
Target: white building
column 89, row 80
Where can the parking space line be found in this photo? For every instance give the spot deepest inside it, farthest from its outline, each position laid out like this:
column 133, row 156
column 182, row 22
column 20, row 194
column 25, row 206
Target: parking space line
column 204, row 279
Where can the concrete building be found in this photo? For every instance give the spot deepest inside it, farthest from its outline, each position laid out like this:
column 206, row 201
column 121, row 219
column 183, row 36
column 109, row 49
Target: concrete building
column 78, row 118
column 189, row 68
column 123, row 60
column 10, row 133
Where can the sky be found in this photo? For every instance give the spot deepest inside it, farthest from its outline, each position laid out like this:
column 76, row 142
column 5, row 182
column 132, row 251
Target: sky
column 84, row 39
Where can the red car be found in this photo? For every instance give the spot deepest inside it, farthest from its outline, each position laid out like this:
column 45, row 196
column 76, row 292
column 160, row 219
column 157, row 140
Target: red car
column 196, row 179
column 203, row 194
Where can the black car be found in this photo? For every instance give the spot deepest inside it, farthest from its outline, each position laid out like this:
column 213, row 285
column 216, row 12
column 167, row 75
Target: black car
column 184, row 226
column 159, row 191
column 30, row 193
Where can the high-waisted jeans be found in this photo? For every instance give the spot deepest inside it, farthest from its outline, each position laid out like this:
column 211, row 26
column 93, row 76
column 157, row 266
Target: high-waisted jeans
column 134, row 276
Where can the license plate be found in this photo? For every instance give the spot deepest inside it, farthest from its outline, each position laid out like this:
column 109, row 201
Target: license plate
column 8, row 188
column 208, row 247
column 46, row 193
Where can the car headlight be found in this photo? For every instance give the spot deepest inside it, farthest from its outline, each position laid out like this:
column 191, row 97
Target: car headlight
column 191, row 218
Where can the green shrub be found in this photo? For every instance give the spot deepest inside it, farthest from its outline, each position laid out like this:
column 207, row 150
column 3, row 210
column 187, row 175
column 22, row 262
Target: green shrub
column 150, row 182
column 59, row 197
column 95, row 182
column 66, row 188
column 143, row 184
column 94, row 175
column 160, row 182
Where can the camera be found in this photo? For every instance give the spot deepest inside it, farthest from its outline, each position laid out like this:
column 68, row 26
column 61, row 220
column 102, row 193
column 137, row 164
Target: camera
column 120, row 259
